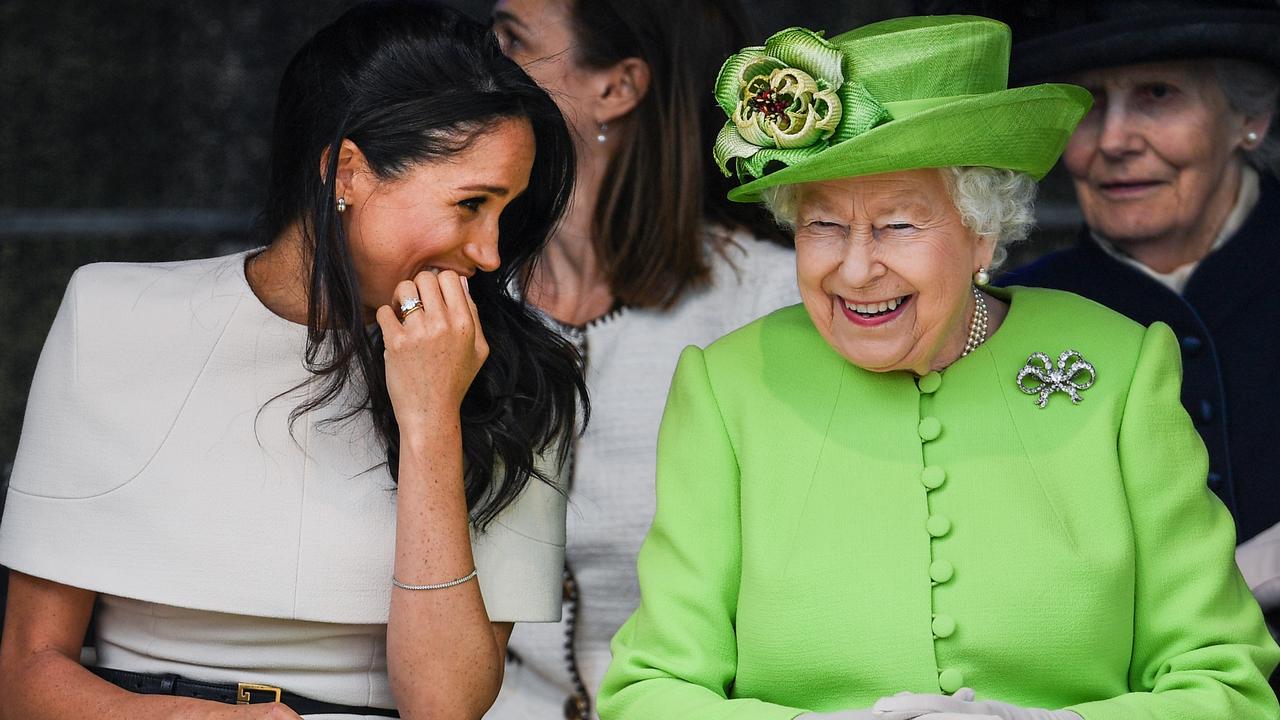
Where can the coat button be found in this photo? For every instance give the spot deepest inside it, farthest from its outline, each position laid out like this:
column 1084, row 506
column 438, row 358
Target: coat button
column 933, row 476
column 941, row 571
column 950, row 680
column 937, row 526
column 930, row 383
column 930, row 428
column 943, row 626
column 1192, row 344
column 1206, row 411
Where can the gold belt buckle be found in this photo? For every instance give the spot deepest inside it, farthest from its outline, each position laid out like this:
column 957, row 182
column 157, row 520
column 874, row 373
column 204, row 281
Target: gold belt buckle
column 243, row 690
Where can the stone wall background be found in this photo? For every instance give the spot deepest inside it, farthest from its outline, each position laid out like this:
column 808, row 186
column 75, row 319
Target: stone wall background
column 136, row 130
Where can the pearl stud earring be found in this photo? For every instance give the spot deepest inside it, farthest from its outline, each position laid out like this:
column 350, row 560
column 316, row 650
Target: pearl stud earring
column 982, row 277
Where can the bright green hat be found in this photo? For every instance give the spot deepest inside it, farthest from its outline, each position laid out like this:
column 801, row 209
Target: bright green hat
column 907, row 93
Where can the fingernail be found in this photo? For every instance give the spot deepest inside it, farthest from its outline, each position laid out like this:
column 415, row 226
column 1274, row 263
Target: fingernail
column 465, row 285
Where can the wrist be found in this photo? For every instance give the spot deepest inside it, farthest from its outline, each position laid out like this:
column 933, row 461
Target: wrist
column 430, row 440
column 428, row 421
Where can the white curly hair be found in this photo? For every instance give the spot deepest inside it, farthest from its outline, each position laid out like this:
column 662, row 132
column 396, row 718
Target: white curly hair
column 998, row 204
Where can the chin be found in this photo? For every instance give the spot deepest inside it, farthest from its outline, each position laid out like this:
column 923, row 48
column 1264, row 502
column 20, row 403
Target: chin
column 1128, row 233
column 1130, row 224
column 878, row 367
column 872, row 362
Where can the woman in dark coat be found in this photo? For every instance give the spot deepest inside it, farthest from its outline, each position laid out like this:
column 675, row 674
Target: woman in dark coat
column 1176, row 176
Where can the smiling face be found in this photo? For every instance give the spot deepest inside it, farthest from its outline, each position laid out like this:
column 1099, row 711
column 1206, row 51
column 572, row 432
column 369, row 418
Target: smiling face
column 439, row 215
column 885, row 267
column 538, row 35
column 1155, row 161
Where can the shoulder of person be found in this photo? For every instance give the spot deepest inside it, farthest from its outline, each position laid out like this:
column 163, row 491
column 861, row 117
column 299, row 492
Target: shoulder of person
column 1049, row 270
column 124, row 349
column 1058, row 312
column 775, row 367
column 123, row 302
column 759, row 272
column 743, row 256
column 783, row 341
column 1060, row 324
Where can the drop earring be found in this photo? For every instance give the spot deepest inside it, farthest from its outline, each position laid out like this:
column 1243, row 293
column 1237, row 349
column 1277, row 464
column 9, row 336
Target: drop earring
column 601, row 136
column 982, row 277
column 342, row 205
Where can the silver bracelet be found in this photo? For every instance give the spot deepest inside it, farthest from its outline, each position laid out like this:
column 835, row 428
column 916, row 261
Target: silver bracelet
column 438, row 586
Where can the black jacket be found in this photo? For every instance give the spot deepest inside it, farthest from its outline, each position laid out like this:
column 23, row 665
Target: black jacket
column 1228, row 321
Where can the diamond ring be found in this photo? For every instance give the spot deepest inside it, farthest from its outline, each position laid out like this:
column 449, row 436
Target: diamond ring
column 408, row 305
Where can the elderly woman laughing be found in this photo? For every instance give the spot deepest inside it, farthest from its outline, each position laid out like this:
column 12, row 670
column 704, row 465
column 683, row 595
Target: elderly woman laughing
column 913, row 495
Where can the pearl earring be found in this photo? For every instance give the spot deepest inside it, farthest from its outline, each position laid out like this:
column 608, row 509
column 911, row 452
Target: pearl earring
column 342, row 204
column 982, row 277
column 601, row 137
column 1251, row 136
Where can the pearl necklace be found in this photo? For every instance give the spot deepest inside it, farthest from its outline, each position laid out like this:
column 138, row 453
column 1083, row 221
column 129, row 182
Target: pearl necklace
column 977, row 324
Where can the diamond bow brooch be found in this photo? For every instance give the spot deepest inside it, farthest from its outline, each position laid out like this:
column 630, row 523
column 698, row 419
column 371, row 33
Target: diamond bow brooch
column 1072, row 375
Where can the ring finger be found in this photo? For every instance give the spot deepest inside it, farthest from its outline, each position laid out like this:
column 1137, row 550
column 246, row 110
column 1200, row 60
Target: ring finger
column 407, row 300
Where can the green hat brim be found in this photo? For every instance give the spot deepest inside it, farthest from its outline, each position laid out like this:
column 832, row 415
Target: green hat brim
column 1022, row 129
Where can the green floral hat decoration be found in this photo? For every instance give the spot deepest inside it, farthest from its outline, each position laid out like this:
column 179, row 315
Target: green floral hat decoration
column 906, row 93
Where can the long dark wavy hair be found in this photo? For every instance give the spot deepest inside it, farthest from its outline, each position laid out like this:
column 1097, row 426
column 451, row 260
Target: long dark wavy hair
column 661, row 187
column 411, row 82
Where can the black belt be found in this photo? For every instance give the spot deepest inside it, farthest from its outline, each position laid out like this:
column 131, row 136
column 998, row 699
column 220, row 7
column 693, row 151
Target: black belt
column 229, row 693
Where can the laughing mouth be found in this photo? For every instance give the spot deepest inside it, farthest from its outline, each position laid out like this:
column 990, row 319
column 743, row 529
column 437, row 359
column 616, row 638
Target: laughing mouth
column 874, row 310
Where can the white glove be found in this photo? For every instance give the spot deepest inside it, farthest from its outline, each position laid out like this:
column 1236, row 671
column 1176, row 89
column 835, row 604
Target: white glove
column 1259, row 561
column 964, row 694
column 961, row 704
column 850, row 715
column 872, row 715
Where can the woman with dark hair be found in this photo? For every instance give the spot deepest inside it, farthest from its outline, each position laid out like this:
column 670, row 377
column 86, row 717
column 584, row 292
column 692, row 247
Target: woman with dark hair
column 269, row 487
column 650, row 258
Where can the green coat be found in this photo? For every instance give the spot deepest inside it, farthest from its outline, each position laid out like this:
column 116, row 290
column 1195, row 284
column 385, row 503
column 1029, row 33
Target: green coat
column 801, row 557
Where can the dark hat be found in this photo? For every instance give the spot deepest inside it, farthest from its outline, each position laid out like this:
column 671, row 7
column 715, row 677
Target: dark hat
column 1052, row 38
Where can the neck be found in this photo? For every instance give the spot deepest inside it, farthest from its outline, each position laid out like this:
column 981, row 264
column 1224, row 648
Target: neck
column 569, row 282
column 278, row 277
column 955, row 347
column 1172, row 251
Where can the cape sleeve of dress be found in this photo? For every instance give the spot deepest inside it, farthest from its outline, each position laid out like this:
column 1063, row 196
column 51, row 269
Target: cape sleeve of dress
column 520, row 555
column 1200, row 648
column 158, row 462
column 100, row 370
column 677, row 655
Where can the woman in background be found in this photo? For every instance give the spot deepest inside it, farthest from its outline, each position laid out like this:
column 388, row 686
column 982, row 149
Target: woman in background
column 650, row 258
column 280, row 480
column 1177, row 172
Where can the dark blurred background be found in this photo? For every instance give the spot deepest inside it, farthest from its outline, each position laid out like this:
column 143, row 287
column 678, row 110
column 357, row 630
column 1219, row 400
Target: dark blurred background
column 136, row 130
